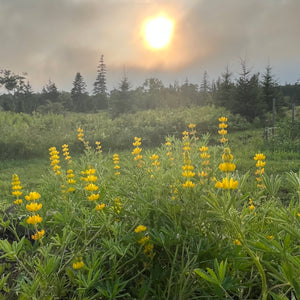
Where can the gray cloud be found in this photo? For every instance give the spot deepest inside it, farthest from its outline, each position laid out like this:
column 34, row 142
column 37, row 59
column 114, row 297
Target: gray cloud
column 55, row 39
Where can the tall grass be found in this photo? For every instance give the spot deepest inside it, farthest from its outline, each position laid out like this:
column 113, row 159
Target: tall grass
column 146, row 234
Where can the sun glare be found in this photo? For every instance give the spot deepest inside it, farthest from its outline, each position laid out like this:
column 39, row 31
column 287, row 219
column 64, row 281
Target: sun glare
column 158, row 32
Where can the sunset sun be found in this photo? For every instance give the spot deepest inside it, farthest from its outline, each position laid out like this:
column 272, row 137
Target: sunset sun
column 158, row 32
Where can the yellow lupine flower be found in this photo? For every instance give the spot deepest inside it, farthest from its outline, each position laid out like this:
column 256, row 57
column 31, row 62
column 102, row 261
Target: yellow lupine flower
column 188, row 184
column 16, row 193
column 38, row 235
column 222, row 119
column 18, row 201
column 33, row 206
column 93, row 197
column 260, row 163
column 222, row 132
column 144, row 240
column 78, row 265
column 259, row 156
column 227, row 167
column 34, row 220
column 100, row 206
column 237, row 242
column 140, row 228
column 223, row 125
column 91, row 187
column 203, row 149
column 32, row 196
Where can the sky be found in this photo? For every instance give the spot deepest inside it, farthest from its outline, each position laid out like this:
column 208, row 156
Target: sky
column 55, row 39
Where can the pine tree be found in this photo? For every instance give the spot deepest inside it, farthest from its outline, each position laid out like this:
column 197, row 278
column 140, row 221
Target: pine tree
column 50, row 92
column 270, row 89
column 100, row 90
column 79, row 93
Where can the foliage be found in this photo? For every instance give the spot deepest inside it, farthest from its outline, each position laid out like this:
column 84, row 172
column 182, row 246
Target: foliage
column 129, row 226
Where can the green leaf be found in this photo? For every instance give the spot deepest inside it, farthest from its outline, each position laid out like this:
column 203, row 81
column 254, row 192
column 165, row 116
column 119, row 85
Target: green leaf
column 206, row 277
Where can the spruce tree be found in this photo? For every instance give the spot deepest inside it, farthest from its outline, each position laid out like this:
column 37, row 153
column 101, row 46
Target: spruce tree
column 79, row 93
column 100, row 90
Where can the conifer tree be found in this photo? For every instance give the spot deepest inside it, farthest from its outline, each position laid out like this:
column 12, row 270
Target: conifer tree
column 79, row 93
column 100, row 89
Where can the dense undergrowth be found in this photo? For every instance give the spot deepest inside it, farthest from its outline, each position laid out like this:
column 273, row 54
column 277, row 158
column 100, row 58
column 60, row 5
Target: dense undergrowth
column 185, row 220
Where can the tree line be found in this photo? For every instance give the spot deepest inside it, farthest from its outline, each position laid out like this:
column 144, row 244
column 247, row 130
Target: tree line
column 251, row 95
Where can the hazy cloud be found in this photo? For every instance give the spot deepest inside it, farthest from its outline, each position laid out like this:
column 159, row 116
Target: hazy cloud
column 55, row 39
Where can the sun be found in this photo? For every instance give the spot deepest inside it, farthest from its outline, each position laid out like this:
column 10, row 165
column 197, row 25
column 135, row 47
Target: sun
column 158, row 32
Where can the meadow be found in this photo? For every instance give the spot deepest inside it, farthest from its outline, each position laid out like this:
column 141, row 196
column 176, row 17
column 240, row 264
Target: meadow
column 190, row 204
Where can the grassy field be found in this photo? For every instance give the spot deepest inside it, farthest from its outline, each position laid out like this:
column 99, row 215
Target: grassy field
column 191, row 218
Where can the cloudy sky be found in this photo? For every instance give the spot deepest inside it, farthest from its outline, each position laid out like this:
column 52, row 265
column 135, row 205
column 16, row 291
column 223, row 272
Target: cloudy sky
column 54, row 39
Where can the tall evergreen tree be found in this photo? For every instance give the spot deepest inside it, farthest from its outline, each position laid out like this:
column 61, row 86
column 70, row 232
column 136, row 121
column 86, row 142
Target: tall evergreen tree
column 270, row 90
column 205, row 97
column 79, row 93
column 121, row 99
column 225, row 90
column 50, row 92
column 100, row 89
column 247, row 94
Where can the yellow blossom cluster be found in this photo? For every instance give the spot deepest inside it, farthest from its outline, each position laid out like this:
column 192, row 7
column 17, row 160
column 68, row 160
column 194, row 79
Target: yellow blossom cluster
column 54, row 158
column 78, row 264
column 205, row 163
column 80, row 137
column 116, row 161
column 251, row 205
column 155, row 161
column 187, row 167
column 174, row 191
column 66, row 153
column 260, row 164
column 70, row 181
column 117, row 207
column 192, row 128
column 137, row 151
column 91, row 188
column 16, row 189
column 222, row 129
column 227, row 165
column 98, row 147
column 144, row 240
column 34, row 218
column 227, row 184
column 169, row 149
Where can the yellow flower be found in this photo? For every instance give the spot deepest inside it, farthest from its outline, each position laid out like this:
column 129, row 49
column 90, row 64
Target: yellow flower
column 225, row 184
column 223, row 119
column 91, row 187
column 34, row 220
column 259, row 156
column 140, row 228
column 223, row 140
column 270, row 237
column 188, row 174
column 100, row 206
column 203, row 149
column 16, row 193
column 237, row 242
column 144, row 240
column 78, row 265
column 154, row 157
column 223, row 125
column 33, row 206
column 227, row 167
column 222, row 131
column 93, row 197
column 260, row 163
column 136, row 151
column 188, row 184
column 148, row 248
column 32, row 196
column 251, row 207
column 38, row 235
column 18, row 201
